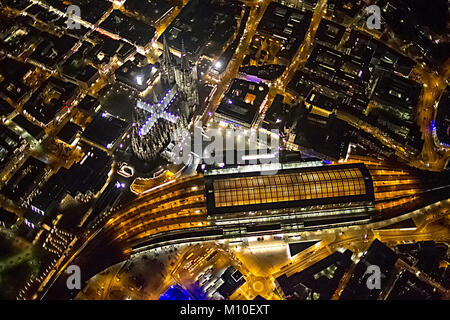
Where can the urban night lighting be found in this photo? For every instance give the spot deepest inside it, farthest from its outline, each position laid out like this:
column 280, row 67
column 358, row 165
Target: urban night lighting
column 139, row 80
column 224, row 150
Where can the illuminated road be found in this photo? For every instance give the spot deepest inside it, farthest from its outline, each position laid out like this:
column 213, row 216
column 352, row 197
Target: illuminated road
column 358, row 238
column 179, row 204
column 179, row 207
column 260, row 277
column 298, row 60
column 308, row 43
column 431, row 158
column 231, row 72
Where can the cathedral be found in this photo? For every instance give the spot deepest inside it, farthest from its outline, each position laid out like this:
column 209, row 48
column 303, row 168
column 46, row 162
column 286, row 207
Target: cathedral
column 173, row 101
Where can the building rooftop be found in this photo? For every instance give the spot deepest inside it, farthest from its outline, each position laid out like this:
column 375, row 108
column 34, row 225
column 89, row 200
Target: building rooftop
column 374, row 52
column 153, row 10
column 52, row 49
column 17, row 4
column 317, row 282
column 242, row 102
column 59, row 22
column 287, row 25
column 128, row 28
column 17, row 35
column 275, row 115
column 329, row 32
column 34, row 130
column 399, row 94
column 266, row 72
column 420, row 25
column 347, row 7
column 286, row 189
column 202, row 23
column 5, row 108
column 301, row 83
column 9, row 142
column 232, row 280
column 22, row 183
column 297, row 247
column 105, row 48
column 137, row 76
column 337, row 64
column 409, row 287
column 104, row 131
column 76, row 69
column 327, row 137
column 12, row 75
column 92, row 10
column 319, row 100
column 377, row 254
column 88, row 104
column 7, row 219
column 69, row 132
column 48, row 197
column 52, row 97
column 89, row 175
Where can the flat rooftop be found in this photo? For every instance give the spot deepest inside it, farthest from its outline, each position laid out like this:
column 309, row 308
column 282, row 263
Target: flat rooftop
column 398, row 91
column 89, row 104
column 51, row 49
column 242, row 101
column 5, row 108
column 68, row 133
column 129, row 28
column 153, row 10
column 329, row 32
column 21, row 184
column 52, row 97
column 34, row 130
column 286, row 24
column 337, row 64
column 105, row 130
column 135, row 76
column 13, row 72
column 201, row 23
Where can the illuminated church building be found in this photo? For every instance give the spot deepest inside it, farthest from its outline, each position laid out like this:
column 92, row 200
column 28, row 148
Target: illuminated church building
column 171, row 109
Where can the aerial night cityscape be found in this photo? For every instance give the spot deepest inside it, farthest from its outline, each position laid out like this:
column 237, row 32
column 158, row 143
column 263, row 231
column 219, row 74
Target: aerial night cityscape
column 227, row 150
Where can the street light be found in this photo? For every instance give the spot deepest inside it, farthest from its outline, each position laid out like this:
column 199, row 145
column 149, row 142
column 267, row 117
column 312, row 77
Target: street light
column 139, row 80
column 218, row 65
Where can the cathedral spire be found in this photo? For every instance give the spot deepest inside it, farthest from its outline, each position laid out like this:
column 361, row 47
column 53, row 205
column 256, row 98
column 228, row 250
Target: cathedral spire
column 167, row 64
column 184, row 60
column 167, row 56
